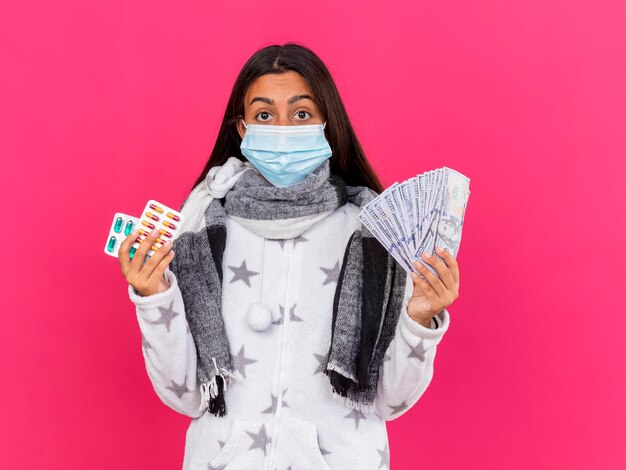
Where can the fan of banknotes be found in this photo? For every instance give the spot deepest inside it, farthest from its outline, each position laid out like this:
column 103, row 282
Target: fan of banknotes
column 418, row 215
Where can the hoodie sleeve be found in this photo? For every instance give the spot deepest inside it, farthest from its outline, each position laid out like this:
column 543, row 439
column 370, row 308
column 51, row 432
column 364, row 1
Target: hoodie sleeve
column 407, row 367
column 168, row 347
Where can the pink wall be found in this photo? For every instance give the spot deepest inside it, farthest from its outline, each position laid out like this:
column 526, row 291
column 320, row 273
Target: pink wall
column 107, row 104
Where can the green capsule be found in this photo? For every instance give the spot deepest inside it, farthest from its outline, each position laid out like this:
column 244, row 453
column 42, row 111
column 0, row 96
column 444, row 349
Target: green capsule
column 111, row 244
column 132, row 251
column 118, row 225
column 129, row 227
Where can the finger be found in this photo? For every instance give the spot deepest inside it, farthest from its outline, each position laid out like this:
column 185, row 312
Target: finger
column 156, row 258
column 144, row 246
column 123, row 255
column 451, row 262
column 433, row 280
column 445, row 275
column 158, row 272
column 426, row 289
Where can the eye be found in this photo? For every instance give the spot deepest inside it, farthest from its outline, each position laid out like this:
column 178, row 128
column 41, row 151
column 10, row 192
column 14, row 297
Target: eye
column 264, row 114
column 300, row 113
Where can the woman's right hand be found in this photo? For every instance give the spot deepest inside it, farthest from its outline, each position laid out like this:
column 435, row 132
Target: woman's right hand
column 147, row 278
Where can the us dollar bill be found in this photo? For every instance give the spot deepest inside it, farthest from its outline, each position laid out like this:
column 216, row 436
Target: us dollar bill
column 416, row 216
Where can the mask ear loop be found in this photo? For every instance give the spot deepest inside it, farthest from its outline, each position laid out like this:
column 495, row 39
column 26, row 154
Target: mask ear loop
column 324, row 125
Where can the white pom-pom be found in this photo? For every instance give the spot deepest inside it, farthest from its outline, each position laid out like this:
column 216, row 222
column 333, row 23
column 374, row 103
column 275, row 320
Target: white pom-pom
column 259, row 316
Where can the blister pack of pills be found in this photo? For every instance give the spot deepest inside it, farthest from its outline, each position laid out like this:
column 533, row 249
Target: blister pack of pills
column 122, row 226
column 154, row 216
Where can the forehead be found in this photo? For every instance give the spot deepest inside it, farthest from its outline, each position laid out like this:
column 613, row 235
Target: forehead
column 279, row 87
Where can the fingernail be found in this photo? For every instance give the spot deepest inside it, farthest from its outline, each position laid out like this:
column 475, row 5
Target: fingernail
column 417, row 263
column 425, row 255
column 154, row 232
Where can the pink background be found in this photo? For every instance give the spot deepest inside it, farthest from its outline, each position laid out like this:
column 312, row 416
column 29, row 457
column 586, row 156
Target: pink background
column 108, row 104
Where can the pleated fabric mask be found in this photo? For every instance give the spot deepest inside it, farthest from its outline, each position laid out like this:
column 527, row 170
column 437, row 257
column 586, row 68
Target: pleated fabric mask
column 285, row 155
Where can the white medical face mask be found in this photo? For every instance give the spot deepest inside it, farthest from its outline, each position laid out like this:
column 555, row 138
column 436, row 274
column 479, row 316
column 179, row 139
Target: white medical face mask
column 285, row 155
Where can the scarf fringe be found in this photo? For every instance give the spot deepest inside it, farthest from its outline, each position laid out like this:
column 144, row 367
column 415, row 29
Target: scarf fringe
column 340, row 381
column 212, row 392
column 352, row 404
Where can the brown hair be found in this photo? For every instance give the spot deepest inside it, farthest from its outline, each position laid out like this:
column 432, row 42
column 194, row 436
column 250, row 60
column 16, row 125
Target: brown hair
column 348, row 159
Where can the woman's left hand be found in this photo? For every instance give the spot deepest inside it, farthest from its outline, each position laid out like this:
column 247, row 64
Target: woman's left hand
column 438, row 293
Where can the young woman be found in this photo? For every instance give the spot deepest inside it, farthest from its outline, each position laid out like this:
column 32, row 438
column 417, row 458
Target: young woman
column 281, row 325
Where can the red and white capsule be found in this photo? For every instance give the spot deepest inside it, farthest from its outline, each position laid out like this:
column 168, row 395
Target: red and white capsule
column 173, row 216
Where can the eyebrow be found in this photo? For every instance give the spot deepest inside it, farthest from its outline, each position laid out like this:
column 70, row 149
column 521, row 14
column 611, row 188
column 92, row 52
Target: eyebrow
column 292, row 100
